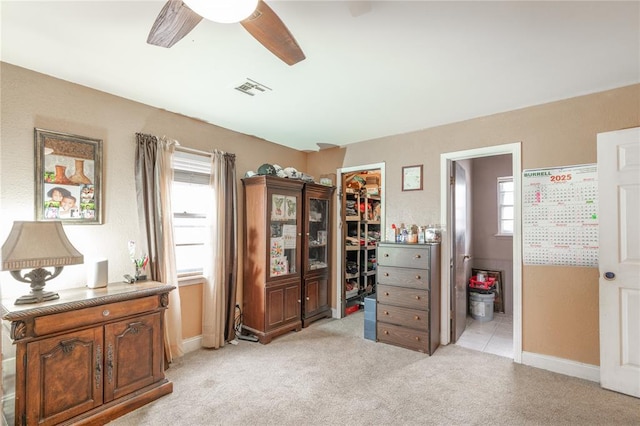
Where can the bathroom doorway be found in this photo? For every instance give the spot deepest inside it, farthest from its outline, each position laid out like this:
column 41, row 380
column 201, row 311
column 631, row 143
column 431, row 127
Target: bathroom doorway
column 477, row 255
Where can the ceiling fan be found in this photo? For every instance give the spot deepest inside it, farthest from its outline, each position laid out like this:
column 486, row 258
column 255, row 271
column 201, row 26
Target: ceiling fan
column 176, row 20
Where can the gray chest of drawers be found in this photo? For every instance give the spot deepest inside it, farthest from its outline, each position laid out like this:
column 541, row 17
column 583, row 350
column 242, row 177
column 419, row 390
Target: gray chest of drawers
column 408, row 293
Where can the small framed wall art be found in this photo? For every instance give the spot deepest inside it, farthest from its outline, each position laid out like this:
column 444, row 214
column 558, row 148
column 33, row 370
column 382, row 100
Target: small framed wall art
column 68, row 177
column 412, row 178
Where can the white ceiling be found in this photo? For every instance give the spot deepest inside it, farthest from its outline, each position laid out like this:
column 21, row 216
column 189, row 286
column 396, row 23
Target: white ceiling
column 399, row 67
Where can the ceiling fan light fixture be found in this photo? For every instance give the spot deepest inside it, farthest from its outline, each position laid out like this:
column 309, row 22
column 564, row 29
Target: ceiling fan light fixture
column 223, row 11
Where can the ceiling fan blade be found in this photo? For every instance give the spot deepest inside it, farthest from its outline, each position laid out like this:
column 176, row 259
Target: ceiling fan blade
column 174, row 21
column 266, row 27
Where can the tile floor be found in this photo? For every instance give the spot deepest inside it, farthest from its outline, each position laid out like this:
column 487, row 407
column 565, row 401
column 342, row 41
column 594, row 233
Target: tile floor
column 495, row 337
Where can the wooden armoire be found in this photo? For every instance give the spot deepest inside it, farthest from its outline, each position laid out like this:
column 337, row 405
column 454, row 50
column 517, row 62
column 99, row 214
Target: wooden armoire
column 287, row 240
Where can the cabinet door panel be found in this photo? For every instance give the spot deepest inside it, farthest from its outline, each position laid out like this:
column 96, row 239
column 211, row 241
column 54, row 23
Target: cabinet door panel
column 64, row 376
column 284, row 239
column 292, row 302
column 316, row 227
column 311, row 296
column 316, row 295
column 275, row 307
column 133, row 355
column 283, row 305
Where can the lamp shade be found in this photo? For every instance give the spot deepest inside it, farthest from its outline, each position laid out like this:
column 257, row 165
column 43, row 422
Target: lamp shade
column 38, row 245
column 223, row 11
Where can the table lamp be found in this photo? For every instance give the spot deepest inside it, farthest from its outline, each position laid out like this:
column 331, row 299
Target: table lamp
column 38, row 245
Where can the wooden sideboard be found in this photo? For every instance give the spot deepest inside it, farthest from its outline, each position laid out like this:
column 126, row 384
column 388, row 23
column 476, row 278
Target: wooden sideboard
column 86, row 358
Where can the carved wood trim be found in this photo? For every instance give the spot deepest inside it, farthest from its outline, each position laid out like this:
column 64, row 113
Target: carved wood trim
column 18, row 330
column 163, row 290
column 98, row 367
column 110, row 363
column 164, row 300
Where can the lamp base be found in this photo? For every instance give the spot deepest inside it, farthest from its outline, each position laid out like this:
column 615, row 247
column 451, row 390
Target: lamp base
column 37, row 278
column 43, row 296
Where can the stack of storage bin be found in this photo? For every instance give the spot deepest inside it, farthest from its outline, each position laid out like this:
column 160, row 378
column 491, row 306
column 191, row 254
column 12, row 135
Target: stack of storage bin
column 481, row 298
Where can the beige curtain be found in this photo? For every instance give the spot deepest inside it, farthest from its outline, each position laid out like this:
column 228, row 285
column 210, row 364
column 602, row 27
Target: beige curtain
column 219, row 298
column 154, row 176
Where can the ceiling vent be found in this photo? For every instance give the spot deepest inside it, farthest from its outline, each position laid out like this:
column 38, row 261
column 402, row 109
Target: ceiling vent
column 251, row 87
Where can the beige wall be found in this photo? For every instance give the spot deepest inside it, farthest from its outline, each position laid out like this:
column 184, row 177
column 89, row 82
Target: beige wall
column 489, row 251
column 191, row 306
column 560, row 305
column 30, row 99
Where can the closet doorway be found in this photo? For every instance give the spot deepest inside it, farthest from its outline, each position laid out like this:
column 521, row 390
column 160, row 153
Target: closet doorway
column 360, row 213
column 477, row 250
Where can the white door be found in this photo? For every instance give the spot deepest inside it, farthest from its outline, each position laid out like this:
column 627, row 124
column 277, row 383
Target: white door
column 619, row 260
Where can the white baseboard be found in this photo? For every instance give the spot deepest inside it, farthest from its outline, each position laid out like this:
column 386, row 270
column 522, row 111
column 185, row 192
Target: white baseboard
column 192, row 344
column 562, row 366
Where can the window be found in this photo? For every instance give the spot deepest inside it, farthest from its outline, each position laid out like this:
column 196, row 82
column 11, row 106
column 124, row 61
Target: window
column 505, row 205
column 189, row 200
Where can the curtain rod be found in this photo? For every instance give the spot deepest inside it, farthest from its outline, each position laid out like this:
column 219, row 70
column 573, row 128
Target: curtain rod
column 193, row 151
column 200, row 152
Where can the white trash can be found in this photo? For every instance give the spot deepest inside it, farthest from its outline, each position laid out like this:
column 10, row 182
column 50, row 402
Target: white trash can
column 481, row 305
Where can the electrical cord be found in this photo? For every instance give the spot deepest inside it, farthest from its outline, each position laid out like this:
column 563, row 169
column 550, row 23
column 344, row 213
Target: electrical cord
column 238, row 327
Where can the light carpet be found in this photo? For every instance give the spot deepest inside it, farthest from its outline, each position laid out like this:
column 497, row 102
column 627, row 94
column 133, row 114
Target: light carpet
column 328, row 374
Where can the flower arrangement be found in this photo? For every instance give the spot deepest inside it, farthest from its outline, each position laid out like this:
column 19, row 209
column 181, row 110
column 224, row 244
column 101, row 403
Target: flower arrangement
column 139, row 262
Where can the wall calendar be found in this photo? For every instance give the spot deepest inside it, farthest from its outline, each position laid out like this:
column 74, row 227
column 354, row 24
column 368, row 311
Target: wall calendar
column 560, row 216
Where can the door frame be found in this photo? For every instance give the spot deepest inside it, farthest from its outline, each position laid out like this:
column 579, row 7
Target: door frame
column 337, row 229
column 446, row 160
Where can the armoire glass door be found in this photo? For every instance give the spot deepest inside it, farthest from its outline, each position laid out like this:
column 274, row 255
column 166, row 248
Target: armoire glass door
column 318, row 248
column 284, row 235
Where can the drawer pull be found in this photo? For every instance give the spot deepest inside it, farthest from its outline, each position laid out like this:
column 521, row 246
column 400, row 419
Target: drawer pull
column 98, row 366
column 386, row 293
column 386, row 274
column 105, row 313
column 417, row 297
column 307, row 298
column 417, row 277
column 417, row 256
column 417, row 318
column 386, row 255
column 386, row 312
column 110, row 363
column 418, row 338
column 385, row 332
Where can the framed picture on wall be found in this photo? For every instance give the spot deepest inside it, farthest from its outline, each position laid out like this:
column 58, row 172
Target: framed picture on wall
column 68, row 178
column 412, row 178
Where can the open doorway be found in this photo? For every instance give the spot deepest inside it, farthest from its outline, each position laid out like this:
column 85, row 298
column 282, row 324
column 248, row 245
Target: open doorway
column 483, row 254
column 360, row 213
column 458, row 259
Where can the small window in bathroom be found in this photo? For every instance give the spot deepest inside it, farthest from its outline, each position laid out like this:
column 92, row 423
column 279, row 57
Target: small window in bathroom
column 505, row 205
